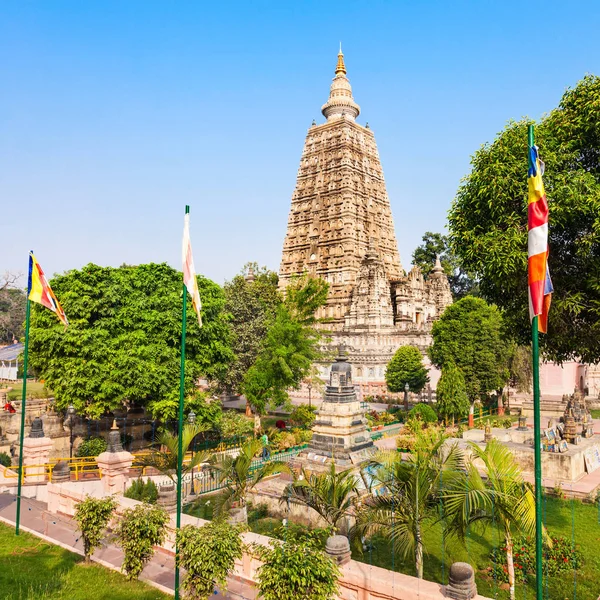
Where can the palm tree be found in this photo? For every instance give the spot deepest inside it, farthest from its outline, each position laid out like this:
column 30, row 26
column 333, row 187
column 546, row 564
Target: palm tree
column 410, row 495
column 332, row 495
column 165, row 460
column 239, row 475
column 499, row 496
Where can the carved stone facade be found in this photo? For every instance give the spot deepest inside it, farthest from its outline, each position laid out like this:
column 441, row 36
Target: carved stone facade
column 340, row 228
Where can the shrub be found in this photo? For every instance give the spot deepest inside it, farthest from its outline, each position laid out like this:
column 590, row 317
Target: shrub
column 423, row 412
column 5, row 459
column 559, row 558
column 303, row 415
column 405, row 443
column 144, row 491
column 507, row 423
column 93, row 446
column 92, row 516
column 297, row 569
column 302, row 436
column 208, row 554
column 286, row 440
column 234, row 424
column 139, row 530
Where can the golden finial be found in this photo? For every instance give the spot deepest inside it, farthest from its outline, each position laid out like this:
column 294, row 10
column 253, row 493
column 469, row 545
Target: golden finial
column 341, row 67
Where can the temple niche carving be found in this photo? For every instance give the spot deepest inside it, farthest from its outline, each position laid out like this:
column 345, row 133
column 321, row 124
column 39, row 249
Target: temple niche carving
column 340, row 228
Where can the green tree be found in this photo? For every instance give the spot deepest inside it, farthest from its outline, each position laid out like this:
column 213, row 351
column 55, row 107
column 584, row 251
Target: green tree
column 424, row 256
column 124, row 339
column 165, row 459
column 410, row 503
column 451, row 393
column 332, row 495
column 521, row 369
column 208, row 555
column 296, row 569
column 499, row 497
column 138, row 531
column 470, row 334
column 92, row 516
column 488, row 223
column 13, row 301
column 252, row 299
column 303, row 415
column 290, row 348
column 406, row 366
column 240, row 474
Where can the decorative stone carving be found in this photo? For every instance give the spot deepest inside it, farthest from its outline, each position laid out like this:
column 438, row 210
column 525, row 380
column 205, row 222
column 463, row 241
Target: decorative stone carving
column 36, row 450
column 167, row 497
column 340, row 228
column 37, row 429
column 461, row 582
column 114, row 464
column 61, row 472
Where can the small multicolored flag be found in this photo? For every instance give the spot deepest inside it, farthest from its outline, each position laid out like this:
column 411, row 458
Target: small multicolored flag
column 39, row 290
column 189, row 272
column 540, row 284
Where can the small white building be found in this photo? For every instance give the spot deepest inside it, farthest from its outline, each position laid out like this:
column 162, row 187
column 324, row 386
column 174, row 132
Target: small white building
column 9, row 361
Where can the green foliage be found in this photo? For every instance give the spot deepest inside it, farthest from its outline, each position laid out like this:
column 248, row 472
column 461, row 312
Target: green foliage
column 302, row 436
column 239, row 474
column 297, row 569
column 406, row 366
column 140, row 529
column 451, row 393
column 332, row 495
column 165, row 461
column 521, row 369
column 5, row 459
column 424, row 413
column 93, row 446
column 470, row 334
column 124, row 339
column 304, row 295
column 488, row 223
column 303, row 415
column 13, row 301
column 424, row 256
column 208, row 411
column 410, row 502
column 559, row 557
column 144, row 491
column 234, row 424
column 252, row 305
column 92, row 516
column 208, row 554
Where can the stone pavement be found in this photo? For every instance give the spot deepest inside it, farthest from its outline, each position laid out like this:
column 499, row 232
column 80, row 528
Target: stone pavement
column 61, row 530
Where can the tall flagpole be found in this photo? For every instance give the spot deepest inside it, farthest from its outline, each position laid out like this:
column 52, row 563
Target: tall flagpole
column 23, row 399
column 536, row 435
column 180, row 436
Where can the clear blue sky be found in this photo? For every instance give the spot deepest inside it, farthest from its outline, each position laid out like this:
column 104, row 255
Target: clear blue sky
column 115, row 114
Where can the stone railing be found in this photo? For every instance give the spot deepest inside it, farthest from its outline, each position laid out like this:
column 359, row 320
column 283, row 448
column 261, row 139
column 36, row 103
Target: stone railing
column 358, row 581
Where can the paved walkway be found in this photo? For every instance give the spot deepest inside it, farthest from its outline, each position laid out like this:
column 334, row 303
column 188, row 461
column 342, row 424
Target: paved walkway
column 61, row 530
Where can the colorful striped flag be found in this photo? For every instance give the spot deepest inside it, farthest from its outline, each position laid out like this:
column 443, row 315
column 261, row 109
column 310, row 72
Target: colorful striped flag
column 39, row 290
column 189, row 272
column 540, row 284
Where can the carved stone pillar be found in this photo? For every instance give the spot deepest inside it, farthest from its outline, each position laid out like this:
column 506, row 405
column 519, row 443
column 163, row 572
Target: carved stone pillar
column 36, row 450
column 114, row 464
column 461, row 582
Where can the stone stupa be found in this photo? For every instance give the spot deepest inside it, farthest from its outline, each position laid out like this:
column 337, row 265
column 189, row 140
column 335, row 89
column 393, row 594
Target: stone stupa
column 340, row 430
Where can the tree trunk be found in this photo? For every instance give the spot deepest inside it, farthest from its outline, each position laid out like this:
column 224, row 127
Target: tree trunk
column 419, row 552
column 248, row 408
column 510, row 564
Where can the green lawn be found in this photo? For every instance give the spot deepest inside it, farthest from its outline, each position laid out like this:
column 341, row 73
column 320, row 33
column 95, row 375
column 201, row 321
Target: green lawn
column 559, row 520
column 35, row 389
column 595, row 413
column 33, row 569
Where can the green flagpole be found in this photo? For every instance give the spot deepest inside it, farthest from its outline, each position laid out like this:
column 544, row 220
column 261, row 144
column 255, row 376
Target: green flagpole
column 539, row 588
column 23, row 399
column 180, row 436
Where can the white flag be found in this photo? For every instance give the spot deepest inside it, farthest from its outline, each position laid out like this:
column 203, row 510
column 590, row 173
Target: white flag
column 189, row 272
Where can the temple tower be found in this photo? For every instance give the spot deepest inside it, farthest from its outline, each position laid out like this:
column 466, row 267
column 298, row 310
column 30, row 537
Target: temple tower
column 340, row 207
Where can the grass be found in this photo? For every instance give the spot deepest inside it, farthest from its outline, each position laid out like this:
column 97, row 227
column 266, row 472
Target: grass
column 34, row 569
column 570, row 519
column 35, row 389
column 595, row 413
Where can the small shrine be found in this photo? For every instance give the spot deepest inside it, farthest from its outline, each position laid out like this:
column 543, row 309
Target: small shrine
column 340, row 430
column 575, row 424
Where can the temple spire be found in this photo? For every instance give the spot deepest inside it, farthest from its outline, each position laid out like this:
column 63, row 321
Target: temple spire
column 340, row 103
